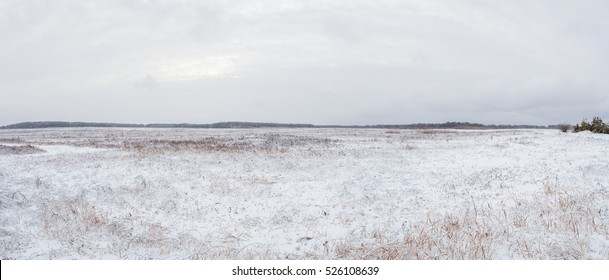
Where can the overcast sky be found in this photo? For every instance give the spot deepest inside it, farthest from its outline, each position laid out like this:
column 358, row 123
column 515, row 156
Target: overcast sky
column 321, row 62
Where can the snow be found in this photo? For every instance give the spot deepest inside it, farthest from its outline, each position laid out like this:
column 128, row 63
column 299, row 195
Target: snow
column 116, row 193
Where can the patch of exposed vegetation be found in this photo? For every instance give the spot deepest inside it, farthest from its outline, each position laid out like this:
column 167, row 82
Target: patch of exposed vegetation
column 20, row 150
column 266, row 143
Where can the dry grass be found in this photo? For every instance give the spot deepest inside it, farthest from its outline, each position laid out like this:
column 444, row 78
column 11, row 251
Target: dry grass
column 270, row 142
column 80, row 227
column 436, row 132
column 146, row 215
column 515, row 229
column 393, row 131
column 20, row 150
column 479, row 233
column 13, row 140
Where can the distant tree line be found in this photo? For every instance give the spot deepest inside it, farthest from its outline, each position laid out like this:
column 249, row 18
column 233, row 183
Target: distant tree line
column 446, row 125
column 59, row 124
column 56, row 124
column 462, row 125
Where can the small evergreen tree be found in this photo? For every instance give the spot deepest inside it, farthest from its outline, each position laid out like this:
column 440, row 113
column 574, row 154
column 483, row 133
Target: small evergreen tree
column 597, row 126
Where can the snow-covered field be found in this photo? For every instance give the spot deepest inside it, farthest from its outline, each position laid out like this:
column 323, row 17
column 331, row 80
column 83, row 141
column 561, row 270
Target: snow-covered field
column 111, row 193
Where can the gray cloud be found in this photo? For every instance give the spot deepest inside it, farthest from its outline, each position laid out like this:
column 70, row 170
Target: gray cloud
column 148, row 83
column 347, row 62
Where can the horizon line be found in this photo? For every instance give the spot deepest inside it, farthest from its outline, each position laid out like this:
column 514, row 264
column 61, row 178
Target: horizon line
column 246, row 124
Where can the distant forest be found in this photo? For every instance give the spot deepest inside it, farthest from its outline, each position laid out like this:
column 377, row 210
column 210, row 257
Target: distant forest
column 446, row 125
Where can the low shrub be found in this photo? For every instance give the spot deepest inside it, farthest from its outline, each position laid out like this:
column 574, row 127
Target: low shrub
column 564, row 127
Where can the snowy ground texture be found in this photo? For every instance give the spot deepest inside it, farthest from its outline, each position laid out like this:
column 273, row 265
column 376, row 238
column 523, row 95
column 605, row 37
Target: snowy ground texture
column 303, row 194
